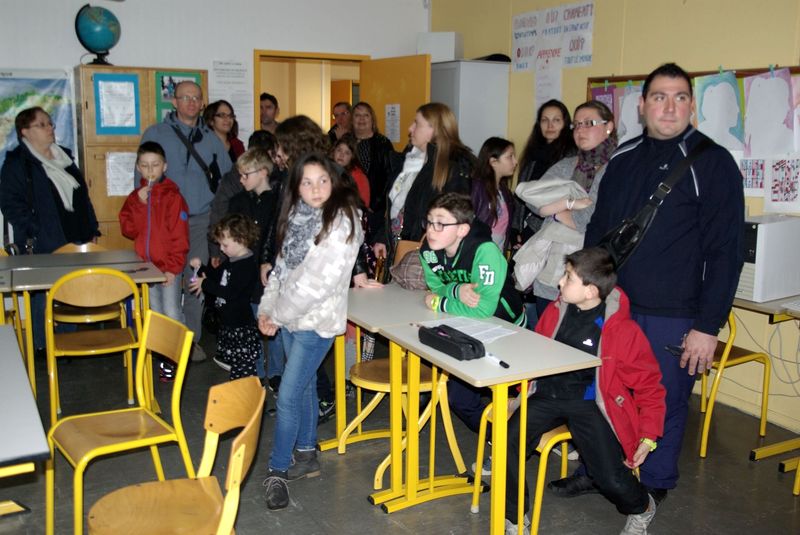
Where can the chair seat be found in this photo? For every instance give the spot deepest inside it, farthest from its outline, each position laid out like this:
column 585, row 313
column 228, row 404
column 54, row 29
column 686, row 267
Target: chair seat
column 374, row 375
column 78, row 435
column 735, row 354
column 94, row 342
column 177, row 506
column 70, row 314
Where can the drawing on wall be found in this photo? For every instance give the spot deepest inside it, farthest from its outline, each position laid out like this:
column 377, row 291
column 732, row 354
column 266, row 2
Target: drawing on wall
column 768, row 121
column 165, row 89
column 796, row 110
column 782, row 193
column 626, row 112
column 606, row 96
column 754, row 172
column 719, row 114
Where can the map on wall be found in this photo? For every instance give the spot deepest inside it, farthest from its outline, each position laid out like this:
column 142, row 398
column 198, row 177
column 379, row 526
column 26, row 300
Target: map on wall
column 51, row 90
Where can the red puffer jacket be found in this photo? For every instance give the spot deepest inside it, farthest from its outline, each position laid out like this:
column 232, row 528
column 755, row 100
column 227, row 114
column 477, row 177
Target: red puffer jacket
column 629, row 390
column 160, row 228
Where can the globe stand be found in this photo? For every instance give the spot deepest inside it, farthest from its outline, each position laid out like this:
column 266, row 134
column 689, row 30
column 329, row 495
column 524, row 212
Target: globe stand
column 100, row 59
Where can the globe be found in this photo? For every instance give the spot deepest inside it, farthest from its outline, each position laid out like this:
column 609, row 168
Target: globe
column 98, row 30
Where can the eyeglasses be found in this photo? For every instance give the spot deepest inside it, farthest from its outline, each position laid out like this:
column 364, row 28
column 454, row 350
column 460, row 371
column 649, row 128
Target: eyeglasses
column 189, row 98
column 222, row 115
column 577, row 125
column 43, row 125
column 438, row 226
column 246, row 174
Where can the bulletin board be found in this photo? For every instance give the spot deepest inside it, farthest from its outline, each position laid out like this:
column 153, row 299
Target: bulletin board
column 754, row 113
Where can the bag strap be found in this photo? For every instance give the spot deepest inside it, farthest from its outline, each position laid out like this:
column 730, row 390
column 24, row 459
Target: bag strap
column 193, row 152
column 665, row 187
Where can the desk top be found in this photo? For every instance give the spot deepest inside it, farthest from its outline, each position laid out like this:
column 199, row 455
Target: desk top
column 23, row 434
column 528, row 355
column 97, row 258
column 768, row 307
column 5, row 281
column 44, row 278
column 373, row 308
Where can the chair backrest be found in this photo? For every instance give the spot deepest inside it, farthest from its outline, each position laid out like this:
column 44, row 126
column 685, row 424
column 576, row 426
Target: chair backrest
column 402, row 248
column 232, row 405
column 79, row 248
column 92, row 287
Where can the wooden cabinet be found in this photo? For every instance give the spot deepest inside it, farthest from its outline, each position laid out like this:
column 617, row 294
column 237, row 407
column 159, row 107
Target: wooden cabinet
column 94, row 147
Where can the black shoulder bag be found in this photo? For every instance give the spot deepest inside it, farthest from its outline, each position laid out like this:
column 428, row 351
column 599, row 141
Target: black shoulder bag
column 622, row 240
column 212, row 172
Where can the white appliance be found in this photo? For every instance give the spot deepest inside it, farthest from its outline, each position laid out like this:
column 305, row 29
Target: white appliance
column 771, row 258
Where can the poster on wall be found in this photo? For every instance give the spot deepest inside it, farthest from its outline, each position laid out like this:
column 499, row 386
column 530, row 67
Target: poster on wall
column 231, row 80
column 572, row 26
column 768, row 120
column 782, row 189
column 626, row 111
column 392, row 116
column 116, row 101
column 165, row 89
column 548, row 73
column 49, row 89
column 719, row 115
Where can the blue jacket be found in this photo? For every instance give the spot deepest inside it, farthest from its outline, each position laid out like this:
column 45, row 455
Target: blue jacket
column 50, row 224
column 182, row 167
column 688, row 263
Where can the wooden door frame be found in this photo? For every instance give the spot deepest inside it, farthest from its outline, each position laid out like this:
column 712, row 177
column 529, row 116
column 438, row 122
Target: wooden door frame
column 259, row 55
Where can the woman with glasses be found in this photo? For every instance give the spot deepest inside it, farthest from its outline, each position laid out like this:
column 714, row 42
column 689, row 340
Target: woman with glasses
column 566, row 193
column 435, row 162
column 44, row 197
column 220, row 118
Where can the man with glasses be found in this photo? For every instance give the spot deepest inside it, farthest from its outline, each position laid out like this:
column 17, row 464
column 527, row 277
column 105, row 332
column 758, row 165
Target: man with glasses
column 682, row 278
column 343, row 121
column 194, row 154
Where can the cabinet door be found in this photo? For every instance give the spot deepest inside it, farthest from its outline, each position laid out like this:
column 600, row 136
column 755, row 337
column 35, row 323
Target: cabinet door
column 106, row 206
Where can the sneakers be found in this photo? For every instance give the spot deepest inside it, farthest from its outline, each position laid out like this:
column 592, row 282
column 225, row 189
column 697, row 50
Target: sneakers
column 513, row 529
column 572, row 486
column 166, row 371
column 222, row 362
column 277, row 494
column 304, row 464
column 274, row 385
column 198, row 354
column 486, row 469
column 572, row 453
column 326, row 409
column 637, row 524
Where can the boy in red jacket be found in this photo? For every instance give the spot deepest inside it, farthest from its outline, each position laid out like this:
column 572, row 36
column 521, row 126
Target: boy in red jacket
column 615, row 413
column 156, row 217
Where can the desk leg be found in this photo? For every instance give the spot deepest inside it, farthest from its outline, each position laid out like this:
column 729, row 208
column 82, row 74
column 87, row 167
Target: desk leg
column 11, row 507
column 29, row 351
column 775, row 449
column 499, row 440
column 341, row 398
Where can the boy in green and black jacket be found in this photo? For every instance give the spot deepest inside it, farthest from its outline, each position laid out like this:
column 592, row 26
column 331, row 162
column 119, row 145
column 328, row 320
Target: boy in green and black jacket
column 467, row 276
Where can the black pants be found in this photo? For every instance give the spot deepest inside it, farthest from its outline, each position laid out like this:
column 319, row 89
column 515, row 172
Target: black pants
column 594, row 440
column 465, row 401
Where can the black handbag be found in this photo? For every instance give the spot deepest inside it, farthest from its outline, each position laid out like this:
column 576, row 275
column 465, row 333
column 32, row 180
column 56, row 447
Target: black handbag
column 622, row 240
column 452, row 342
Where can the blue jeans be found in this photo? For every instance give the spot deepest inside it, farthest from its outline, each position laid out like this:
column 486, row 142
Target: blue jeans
column 298, row 405
column 167, row 299
column 276, row 356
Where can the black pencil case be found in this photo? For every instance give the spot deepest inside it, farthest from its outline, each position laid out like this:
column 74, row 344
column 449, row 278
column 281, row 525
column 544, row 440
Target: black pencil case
column 452, row 342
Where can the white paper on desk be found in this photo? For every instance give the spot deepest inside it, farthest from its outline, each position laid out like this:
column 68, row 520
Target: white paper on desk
column 483, row 331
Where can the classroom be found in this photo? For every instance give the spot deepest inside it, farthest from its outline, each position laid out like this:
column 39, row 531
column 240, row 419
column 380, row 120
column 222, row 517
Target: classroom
column 734, row 477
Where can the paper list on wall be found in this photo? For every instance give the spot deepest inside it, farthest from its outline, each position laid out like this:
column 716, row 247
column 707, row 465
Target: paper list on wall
column 119, row 173
column 117, row 104
column 230, row 80
column 548, row 72
column 484, row 331
column 393, row 122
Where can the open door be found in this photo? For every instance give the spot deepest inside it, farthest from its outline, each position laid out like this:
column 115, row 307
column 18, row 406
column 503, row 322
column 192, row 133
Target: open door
column 404, row 81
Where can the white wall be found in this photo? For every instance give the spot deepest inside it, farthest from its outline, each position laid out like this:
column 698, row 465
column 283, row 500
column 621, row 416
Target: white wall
column 193, row 33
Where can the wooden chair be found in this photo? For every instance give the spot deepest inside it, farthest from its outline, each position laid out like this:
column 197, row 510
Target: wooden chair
column 70, row 314
column 725, row 356
column 559, row 435
column 192, row 505
column 91, row 287
column 85, row 437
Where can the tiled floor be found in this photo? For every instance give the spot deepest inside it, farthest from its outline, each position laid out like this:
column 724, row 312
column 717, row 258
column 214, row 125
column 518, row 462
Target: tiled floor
column 723, row 494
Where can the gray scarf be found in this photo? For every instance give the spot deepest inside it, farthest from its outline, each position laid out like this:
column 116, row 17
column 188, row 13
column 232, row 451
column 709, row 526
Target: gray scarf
column 305, row 223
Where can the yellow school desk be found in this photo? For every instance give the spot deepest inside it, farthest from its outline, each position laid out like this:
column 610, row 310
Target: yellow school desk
column 777, row 313
column 24, row 441
column 529, row 355
column 371, row 309
column 39, row 272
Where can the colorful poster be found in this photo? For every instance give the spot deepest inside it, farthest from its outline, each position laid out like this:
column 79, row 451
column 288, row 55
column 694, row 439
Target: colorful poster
column 782, row 191
column 165, row 89
column 572, row 26
column 606, row 96
column 754, row 173
column 718, row 111
column 49, row 89
column 626, row 112
column 768, row 118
